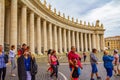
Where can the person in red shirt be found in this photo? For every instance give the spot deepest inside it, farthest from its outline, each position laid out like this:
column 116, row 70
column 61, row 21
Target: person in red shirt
column 21, row 51
column 72, row 55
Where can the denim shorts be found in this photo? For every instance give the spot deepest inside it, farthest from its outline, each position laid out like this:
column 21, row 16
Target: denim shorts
column 109, row 72
column 79, row 70
column 94, row 68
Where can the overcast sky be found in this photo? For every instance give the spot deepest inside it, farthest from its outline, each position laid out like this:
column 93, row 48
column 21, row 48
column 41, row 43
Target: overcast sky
column 107, row 11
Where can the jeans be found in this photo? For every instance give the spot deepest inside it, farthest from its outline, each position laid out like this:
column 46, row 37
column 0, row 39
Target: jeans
column 55, row 71
column 2, row 73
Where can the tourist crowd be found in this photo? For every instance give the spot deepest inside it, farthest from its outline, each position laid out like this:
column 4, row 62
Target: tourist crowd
column 27, row 67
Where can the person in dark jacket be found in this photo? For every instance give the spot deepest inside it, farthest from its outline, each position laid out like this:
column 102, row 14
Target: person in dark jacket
column 27, row 66
column 107, row 59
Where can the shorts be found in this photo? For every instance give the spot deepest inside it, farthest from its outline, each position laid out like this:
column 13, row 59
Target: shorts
column 109, row 72
column 94, row 68
column 79, row 70
column 117, row 66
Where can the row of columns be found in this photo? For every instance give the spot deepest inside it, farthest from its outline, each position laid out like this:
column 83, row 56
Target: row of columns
column 48, row 35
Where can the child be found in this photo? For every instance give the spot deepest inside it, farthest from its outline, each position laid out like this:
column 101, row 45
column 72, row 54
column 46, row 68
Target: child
column 107, row 59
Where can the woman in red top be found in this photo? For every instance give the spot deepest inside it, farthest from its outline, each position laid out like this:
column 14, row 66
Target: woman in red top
column 54, row 64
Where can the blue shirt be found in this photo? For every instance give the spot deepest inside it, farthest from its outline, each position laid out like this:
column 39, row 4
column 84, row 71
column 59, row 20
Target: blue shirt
column 27, row 63
column 108, row 61
column 2, row 61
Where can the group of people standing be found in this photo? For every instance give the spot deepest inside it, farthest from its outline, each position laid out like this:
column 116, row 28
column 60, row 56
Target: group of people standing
column 26, row 63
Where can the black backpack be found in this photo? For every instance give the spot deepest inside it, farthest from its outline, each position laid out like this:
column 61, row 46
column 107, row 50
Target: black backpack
column 6, row 58
column 34, row 68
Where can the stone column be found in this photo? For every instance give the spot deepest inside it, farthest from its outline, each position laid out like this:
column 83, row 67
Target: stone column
column 86, row 43
column 60, row 40
column 69, row 40
column 0, row 23
column 73, row 38
column 98, row 42
column 45, row 35
column 55, row 39
column 50, row 36
column 94, row 40
column 81, row 36
column 24, row 25
column 64, row 40
column 13, row 28
column 102, row 42
column 7, row 24
column 77, row 41
column 32, row 44
column 90, row 49
column 39, row 35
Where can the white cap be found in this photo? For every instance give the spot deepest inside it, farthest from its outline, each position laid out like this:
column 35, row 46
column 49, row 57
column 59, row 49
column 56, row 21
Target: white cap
column 116, row 50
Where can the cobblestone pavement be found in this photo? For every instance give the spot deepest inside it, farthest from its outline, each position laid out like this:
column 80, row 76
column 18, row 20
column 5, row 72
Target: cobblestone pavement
column 63, row 72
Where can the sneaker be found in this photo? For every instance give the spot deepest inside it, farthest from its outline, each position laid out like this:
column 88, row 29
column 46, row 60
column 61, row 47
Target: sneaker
column 92, row 79
column 98, row 77
column 118, row 74
column 50, row 78
column 115, row 74
column 13, row 75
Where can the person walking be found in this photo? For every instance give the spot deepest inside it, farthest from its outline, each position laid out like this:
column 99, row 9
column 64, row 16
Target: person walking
column 2, row 64
column 12, row 60
column 54, row 64
column 107, row 59
column 116, row 62
column 72, row 55
column 94, row 62
column 84, row 56
column 49, row 61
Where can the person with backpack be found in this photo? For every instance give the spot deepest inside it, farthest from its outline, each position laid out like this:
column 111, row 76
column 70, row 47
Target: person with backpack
column 2, row 64
column 54, row 64
column 72, row 55
column 107, row 59
column 27, row 66
column 12, row 60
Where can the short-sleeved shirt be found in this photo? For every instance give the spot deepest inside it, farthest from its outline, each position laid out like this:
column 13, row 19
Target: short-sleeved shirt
column 20, row 52
column 53, row 60
column 116, row 58
column 11, row 53
column 72, row 56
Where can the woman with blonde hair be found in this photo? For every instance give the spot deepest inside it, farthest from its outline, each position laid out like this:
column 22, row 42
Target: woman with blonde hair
column 108, row 59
